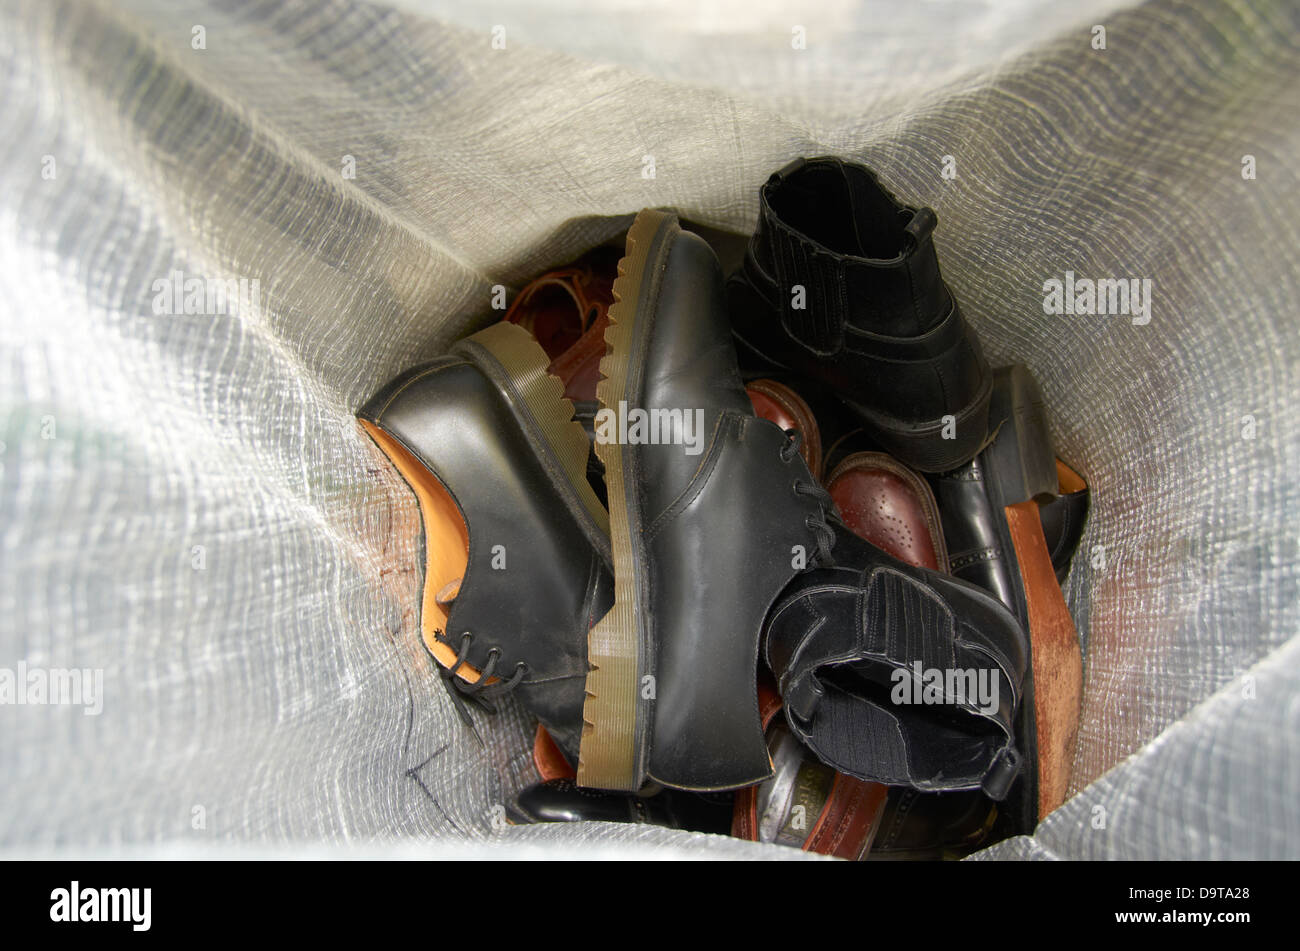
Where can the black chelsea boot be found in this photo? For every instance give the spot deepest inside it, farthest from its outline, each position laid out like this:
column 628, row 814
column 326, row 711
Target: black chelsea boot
column 841, row 285
column 898, row 674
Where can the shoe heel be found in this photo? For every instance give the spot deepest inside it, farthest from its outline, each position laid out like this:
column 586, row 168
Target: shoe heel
column 610, row 756
column 1020, row 460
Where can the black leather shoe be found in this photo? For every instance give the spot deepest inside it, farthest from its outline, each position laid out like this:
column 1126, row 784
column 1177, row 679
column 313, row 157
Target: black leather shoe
column 841, row 284
column 712, row 511
column 1064, row 518
column 994, row 529
column 919, row 826
column 563, row 800
column 517, row 558
column 1018, row 465
column 898, row 674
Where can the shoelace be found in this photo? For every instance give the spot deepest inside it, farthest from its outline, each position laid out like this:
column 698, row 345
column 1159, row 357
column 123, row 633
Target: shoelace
column 816, row 524
column 480, row 691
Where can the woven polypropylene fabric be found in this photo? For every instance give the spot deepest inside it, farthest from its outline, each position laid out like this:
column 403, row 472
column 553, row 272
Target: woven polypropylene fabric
column 187, row 505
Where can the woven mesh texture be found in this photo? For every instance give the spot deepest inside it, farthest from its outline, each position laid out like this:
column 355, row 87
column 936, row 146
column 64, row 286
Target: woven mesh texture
column 187, row 505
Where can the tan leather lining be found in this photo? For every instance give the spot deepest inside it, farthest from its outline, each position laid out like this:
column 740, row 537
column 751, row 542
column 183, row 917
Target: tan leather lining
column 446, row 545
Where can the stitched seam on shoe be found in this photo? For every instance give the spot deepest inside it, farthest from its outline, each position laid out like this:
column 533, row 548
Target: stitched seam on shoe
column 697, row 483
column 459, row 362
column 966, row 559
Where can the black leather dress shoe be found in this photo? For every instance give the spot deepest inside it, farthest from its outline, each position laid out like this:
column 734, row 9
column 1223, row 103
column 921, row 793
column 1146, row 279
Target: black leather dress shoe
column 919, row 826
column 841, row 284
column 1064, row 518
column 899, row 674
column 563, row 800
column 1018, row 465
column 517, row 559
column 712, row 511
column 995, row 532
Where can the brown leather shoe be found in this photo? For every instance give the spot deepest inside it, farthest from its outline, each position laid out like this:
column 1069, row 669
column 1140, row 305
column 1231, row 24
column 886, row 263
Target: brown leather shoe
column 567, row 311
column 891, row 506
column 806, row 804
column 783, row 406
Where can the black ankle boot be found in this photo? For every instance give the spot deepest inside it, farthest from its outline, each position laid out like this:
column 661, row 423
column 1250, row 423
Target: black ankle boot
column 841, row 284
column 898, row 674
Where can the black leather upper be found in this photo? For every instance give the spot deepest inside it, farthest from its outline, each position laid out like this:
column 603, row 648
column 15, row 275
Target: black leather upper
column 1018, row 464
column 918, row 825
column 563, row 800
column 838, row 635
column 978, row 550
column 715, row 532
column 557, row 580
column 1064, row 518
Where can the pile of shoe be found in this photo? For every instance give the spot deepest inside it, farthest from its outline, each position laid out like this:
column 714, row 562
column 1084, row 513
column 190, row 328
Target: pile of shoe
column 777, row 555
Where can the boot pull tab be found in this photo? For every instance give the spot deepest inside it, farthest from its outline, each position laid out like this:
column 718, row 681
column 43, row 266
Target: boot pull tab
column 922, row 225
column 1001, row 773
column 803, row 698
column 789, row 169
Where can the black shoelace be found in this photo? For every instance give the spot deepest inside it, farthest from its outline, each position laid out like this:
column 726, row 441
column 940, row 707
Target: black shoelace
column 816, row 524
column 480, row 691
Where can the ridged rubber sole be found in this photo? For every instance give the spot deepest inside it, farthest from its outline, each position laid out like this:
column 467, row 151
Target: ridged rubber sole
column 611, row 755
column 541, row 395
